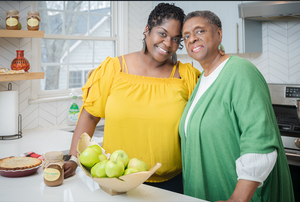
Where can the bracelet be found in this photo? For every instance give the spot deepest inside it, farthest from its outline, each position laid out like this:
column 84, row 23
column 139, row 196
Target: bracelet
column 73, row 158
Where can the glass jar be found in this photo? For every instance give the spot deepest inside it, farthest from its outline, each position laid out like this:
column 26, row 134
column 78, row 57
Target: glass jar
column 33, row 20
column 53, row 168
column 12, row 20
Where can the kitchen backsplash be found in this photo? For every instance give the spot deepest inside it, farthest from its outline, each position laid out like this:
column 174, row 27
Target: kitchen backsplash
column 279, row 62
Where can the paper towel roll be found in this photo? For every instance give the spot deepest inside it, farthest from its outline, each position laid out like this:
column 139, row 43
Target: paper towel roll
column 8, row 113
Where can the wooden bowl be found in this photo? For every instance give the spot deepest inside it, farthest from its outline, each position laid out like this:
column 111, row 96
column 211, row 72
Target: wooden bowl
column 114, row 186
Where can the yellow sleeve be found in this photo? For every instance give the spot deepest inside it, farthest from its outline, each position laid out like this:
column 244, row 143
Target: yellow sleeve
column 97, row 88
column 190, row 75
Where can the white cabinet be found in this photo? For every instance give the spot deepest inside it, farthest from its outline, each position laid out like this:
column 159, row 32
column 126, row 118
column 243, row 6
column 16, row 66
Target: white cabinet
column 239, row 36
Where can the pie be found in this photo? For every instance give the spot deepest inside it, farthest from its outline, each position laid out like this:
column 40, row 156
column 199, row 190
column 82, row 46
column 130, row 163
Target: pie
column 19, row 163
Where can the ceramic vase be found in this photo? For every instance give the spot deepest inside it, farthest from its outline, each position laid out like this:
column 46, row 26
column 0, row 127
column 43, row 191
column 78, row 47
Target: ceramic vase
column 20, row 62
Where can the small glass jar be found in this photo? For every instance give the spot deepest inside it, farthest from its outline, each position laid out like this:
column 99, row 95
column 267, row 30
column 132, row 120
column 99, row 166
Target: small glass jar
column 12, row 20
column 53, row 168
column 33, row 20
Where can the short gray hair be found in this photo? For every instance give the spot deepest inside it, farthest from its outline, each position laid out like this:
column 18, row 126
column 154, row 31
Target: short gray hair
column 210, row 17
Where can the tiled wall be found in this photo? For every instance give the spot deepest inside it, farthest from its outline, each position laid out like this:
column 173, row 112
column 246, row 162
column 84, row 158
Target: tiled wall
column 279, row 62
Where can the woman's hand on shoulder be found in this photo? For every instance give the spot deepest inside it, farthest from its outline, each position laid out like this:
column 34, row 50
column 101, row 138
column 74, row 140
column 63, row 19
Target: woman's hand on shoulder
column 69, row 168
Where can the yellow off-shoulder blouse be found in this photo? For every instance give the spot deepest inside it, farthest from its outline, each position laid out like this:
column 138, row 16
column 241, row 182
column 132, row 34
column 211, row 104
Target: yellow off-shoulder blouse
column 141, row 114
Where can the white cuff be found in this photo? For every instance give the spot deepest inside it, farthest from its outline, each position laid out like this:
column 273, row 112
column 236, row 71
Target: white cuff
column 255, row 167
column 73, row 158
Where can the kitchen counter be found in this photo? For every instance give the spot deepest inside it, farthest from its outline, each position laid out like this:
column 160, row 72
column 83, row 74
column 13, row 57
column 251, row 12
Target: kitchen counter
column 76, row 188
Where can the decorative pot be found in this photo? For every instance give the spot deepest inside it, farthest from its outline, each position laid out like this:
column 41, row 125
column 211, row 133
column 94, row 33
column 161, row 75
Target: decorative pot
column 20, row 62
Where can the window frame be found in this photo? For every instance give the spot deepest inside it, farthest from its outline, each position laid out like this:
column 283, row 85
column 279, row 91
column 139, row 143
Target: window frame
column 119, row 20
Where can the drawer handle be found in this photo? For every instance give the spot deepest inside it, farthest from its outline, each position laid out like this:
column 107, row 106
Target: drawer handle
column 289, row 154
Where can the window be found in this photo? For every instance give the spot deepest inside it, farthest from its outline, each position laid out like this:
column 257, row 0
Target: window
column 79, row 35
column 75, row 79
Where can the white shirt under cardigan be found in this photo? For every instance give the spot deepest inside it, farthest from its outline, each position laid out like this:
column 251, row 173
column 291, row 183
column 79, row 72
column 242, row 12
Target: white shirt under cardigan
column 251, row 166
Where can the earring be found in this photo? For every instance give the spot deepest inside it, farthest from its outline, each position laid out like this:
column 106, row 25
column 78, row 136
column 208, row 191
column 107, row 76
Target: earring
column 144, row 49
column 174, row 59
column 221, row 49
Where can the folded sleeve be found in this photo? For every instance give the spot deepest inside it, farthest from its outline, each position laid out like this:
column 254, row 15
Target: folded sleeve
column 97, row 88
column 256, row 167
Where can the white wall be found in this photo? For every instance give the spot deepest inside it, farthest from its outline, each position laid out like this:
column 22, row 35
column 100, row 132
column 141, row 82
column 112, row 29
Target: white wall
column 279, row 62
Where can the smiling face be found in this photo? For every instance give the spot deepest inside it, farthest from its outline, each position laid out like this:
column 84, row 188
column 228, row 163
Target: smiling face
column 201, row 39
column 163, row 40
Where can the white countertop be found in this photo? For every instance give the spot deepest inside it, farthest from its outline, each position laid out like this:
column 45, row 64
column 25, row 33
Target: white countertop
column 76, row 188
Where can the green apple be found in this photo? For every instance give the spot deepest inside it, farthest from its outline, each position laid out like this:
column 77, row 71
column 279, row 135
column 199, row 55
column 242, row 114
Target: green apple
column 98, row 170
column 102, row 157
column 20, row 26
column 138, row 164
column 89, row 157
column 114, row 168
column 120, row 155
column 130, row 170
column 97, row 148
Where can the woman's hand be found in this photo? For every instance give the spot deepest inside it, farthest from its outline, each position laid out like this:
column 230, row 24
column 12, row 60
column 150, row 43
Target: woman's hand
column 69, row 168
column 244, row 191
column 86, row 124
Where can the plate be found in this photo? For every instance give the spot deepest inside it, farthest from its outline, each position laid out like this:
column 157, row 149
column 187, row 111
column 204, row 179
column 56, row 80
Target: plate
column 19, row 173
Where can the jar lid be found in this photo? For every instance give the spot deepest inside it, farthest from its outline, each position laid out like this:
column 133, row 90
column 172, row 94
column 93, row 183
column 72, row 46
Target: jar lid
column 12, row 12
column 33, row 13
column 53, row 156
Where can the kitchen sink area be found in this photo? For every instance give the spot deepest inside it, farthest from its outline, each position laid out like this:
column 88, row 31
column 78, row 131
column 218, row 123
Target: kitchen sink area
column 97, row 133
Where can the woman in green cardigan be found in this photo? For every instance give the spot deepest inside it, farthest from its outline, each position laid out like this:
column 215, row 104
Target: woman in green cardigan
column 230, row 141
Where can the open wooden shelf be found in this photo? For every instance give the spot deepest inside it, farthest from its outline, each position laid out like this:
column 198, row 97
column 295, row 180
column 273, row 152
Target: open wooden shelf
column 21, row 33
column 25, row 76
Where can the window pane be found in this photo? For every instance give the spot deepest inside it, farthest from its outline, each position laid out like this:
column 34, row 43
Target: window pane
column 57, row 5
column 55, row 19
column 81, row 51
column 78, row 74
column 77, row 5
column 74, row 19
column 75, row 79
column 100, row 25
column 95, row 6
column 75, row 23
column 55, row 77
column 54, row 51
column 104, row 49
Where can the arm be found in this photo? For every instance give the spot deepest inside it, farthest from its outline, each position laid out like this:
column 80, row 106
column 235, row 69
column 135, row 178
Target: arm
column 244, row 191
column 252, row 170
column 86, row 123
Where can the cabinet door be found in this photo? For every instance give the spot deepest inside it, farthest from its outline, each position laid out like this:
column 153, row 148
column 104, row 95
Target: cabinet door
column 227, row 11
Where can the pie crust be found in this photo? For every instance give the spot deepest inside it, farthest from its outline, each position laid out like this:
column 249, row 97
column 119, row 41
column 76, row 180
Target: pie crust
column 19, row 163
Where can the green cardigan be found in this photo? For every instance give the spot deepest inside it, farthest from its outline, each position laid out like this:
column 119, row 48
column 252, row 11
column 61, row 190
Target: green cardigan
column 232, row 118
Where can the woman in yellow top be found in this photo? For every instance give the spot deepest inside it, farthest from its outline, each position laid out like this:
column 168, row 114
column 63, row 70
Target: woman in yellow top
column 141, row 96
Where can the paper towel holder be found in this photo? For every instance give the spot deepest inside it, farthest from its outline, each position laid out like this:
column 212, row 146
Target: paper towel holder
column 19, row 134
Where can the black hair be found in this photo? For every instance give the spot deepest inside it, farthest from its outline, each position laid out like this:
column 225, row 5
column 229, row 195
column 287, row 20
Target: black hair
column 165, row 11
column 210, row 17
